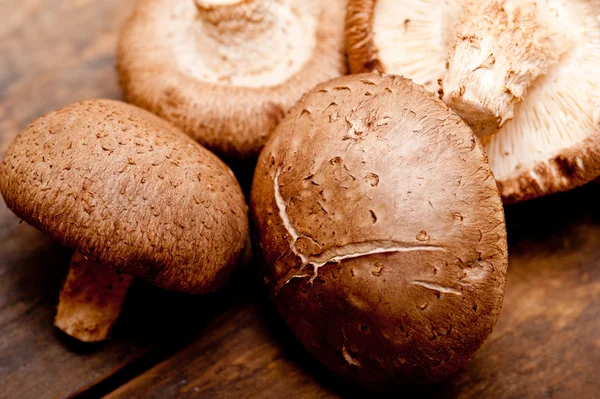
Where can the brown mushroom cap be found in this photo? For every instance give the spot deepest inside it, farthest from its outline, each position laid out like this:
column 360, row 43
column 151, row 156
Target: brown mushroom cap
column 526, row 68
column 226, row 72
column 130, row 191
column 382, row 230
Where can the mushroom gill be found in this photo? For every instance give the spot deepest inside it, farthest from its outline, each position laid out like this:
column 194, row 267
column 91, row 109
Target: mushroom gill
column 500, row 48
column 524, row 74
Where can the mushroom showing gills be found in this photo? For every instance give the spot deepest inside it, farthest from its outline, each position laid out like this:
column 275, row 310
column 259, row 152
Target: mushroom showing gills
column 522, row 73
column 377, row 213
column 134, row 197
column 226, row 71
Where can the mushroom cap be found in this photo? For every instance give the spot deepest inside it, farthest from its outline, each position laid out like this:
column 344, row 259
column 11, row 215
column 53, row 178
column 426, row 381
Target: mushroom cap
column 377, row 213
column 553, row 142
column 130, row 191
column 227, row 98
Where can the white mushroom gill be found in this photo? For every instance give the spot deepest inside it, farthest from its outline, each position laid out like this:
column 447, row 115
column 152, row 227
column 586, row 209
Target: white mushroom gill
column 558, row 110
column 212, row 3
column 252, row 43
column 500, row 48
column 413, row 37
column 559, row 107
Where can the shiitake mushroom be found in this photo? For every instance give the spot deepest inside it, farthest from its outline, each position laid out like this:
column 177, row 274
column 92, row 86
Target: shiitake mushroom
column 134, row 197
column 382, row 231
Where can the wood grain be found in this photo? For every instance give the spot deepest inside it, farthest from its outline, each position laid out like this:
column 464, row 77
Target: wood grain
column 546, row 343
column 55, row 52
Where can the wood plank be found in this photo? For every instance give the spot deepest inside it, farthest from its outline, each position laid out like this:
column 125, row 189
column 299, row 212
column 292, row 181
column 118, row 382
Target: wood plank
column 546, row 343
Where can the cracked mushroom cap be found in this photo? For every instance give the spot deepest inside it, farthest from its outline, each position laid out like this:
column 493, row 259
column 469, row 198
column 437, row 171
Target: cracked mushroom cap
column 130, row 191
column 524, row 74
column 377, row 213
column 226, row 71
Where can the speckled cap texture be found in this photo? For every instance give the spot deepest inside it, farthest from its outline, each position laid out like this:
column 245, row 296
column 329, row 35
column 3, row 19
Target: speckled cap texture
column 382, row 231
column 130, row 191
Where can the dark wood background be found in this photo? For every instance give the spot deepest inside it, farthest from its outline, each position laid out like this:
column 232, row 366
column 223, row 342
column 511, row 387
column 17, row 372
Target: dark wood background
column 232, row 344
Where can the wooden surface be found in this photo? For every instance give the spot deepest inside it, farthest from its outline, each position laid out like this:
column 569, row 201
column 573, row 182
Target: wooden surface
column 233, row 344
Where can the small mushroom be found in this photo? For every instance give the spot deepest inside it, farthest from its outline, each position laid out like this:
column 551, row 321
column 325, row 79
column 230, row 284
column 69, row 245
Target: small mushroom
column 523, row 74
column 226, row 71
column 377, row 213
column 134, row 197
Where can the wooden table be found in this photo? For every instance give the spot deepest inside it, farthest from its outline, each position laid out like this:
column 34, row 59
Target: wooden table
column 233, row 344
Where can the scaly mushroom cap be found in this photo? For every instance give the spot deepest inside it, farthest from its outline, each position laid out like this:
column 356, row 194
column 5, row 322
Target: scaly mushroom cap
column 377, row 214
column 130, row 191
column 227, row 71
column 522, row 69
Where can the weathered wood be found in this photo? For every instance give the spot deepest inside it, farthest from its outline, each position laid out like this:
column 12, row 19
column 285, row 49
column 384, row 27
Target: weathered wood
column 546, row 343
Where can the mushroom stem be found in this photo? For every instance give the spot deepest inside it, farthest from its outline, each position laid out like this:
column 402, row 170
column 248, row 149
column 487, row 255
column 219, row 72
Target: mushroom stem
column 231, row 19
column 251, row 37
column 90, row 300
column 500, row 48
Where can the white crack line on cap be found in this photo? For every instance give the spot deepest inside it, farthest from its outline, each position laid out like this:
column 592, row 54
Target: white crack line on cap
column 281, row 205
column 365, row 249
column 337, row 254
column 437, row 287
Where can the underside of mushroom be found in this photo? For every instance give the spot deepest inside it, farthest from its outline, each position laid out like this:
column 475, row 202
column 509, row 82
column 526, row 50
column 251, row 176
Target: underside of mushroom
column 225, row 71
column 524, row 74
column 500, row 49
column 250, row 43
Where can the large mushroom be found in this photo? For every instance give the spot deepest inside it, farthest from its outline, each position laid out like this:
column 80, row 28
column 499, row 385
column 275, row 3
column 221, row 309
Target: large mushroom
column 226, row 71
column 382, row 231
column 524, row 74
column 134, row 197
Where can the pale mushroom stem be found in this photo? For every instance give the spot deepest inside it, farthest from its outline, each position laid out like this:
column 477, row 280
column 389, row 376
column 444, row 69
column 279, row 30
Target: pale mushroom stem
column 248, row 37
column 90, row 300
column 500, row 48
column 233, row 19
